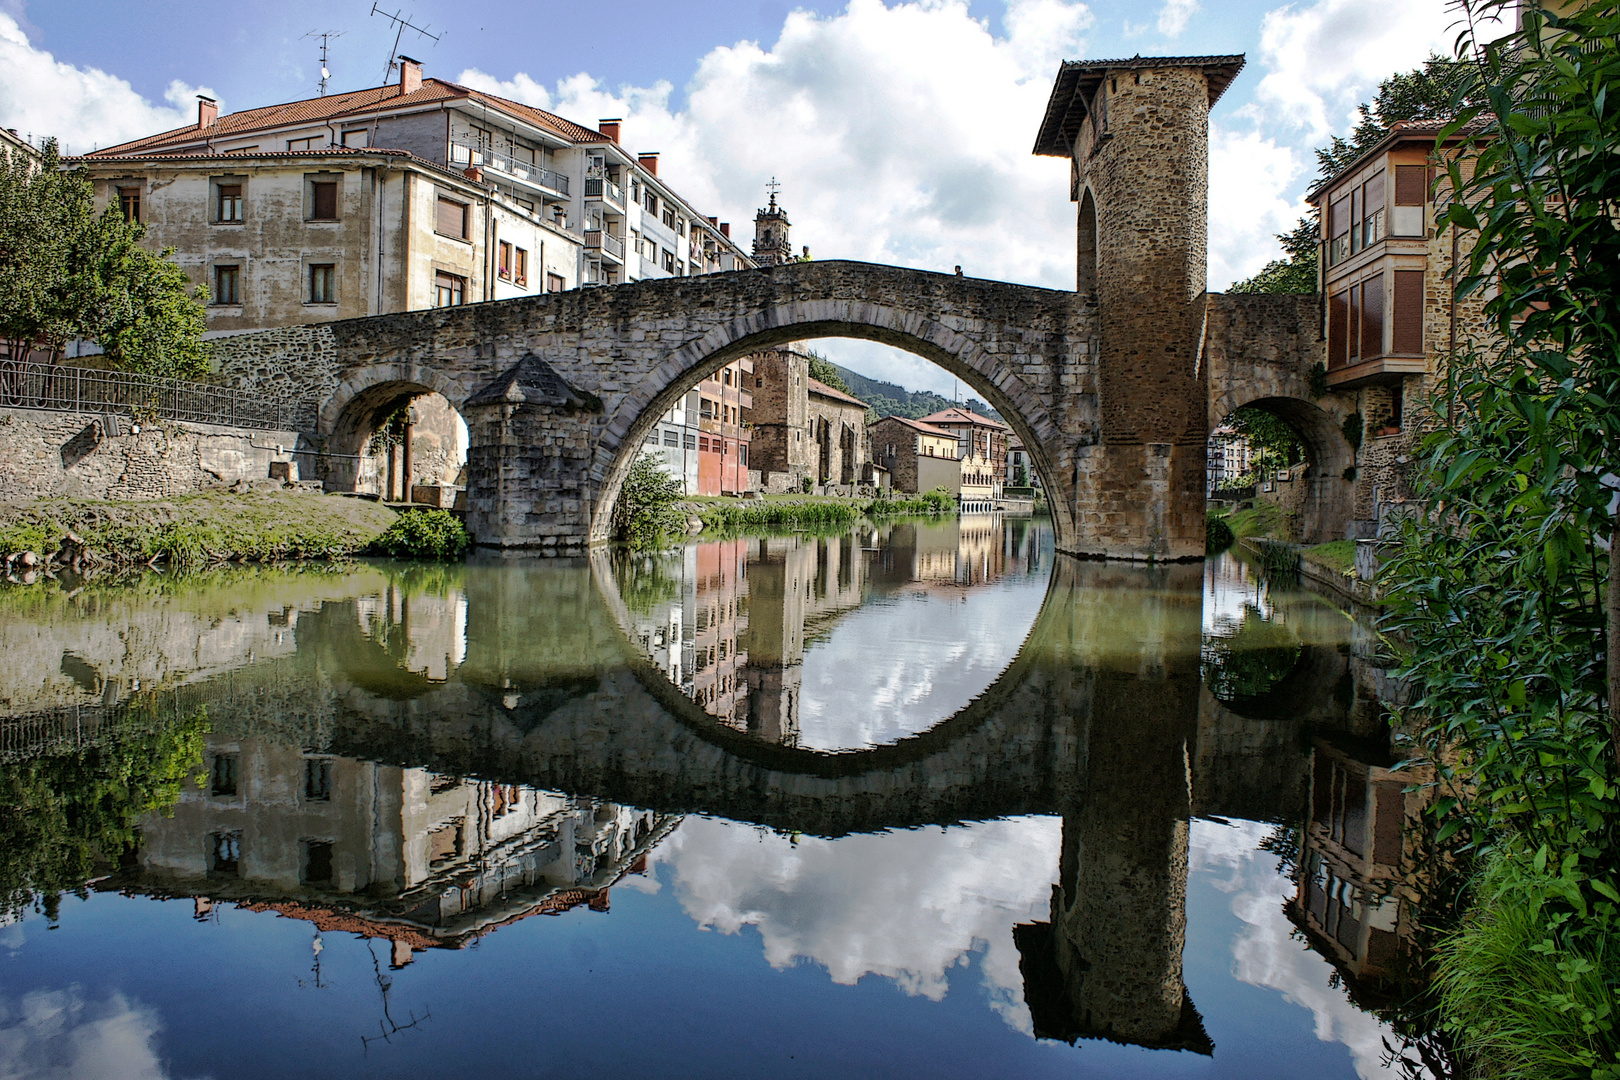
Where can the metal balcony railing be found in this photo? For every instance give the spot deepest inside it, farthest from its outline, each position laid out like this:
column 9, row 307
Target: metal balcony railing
column 484, row 157
column 597, row 187
column 597, row 240
column 25, row 385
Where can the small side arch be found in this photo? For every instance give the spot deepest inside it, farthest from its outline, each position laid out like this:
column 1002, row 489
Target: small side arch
column 1329, row 498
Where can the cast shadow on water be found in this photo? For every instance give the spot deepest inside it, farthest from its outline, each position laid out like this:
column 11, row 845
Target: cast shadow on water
column 420, row 756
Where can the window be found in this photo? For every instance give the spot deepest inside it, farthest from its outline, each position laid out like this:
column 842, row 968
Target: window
column 1411, row 191
column 672, row 438
column 302, row 144
column 449, row 290
column 742, row 450
column 725, row 376
column 680, row 269
column 227, row 284
column 669, row 216
column 322, row 283
column 225, row 854
column 651, row 203
column 222, row 779
column 669, row 261
column 323, row 202
column 680, row 226
column 503, row 261
column 357, row 137
column 451, row 219
column 1397, row 403
column 228, row 203
column 318, row 779
column 317, row 862
column 520, row 266
column 129, row 201
column 1372, row 211
column 691, row 442
column 1372, row 317
column 1339, row 231
column 1338, row 328
column 554, row 283
column 1406, row 330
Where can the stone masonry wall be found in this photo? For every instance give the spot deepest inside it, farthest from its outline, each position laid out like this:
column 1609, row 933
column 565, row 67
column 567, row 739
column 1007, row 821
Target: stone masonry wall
column 70, row 455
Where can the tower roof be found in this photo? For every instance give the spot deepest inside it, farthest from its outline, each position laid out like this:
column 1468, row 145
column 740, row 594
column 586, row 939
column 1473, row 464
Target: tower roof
column 1077, row 81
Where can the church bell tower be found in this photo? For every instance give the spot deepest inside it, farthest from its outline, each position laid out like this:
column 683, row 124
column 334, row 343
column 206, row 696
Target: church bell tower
column 771, row 246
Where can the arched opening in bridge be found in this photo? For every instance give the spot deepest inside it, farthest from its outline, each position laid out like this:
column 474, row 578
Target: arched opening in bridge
column 1289, row 462
column 400, row 441
column 891, row 613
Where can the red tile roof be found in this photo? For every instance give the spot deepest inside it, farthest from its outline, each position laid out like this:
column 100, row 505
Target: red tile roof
column 926, row 429
column 821, row 388
column 352, row 105
column 960, row 415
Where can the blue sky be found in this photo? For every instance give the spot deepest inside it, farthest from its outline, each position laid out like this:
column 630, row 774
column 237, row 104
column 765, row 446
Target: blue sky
column 899, row 130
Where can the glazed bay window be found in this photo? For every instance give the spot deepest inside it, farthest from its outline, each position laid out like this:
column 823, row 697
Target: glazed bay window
column 1411, row 192
column 1356, row 323
column 1372, row 210
column 227, row 284
column 1339, row 231
column 228, row 202
column 449, row 290
column 451, row 218
column 322, row 283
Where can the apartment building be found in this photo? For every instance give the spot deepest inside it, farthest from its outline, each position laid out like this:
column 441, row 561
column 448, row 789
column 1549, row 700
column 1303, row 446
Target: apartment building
column 919, row 457
column 983, row 449
column 1229, row 457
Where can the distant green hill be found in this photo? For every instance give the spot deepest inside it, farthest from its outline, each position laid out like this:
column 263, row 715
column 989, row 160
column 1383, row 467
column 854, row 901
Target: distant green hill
column 892, row 399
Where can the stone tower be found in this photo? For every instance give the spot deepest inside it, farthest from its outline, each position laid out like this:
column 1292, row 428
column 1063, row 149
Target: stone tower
column 1137, row 135
column 771, row 246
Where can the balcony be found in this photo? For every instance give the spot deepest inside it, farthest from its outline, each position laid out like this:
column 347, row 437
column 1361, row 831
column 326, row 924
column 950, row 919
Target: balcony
column 608, row 245
column 602, row 189
column 1359, row 373
column 527, row 172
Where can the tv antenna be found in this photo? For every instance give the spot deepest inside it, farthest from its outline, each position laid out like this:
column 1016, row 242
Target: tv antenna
column 326, row 36
column 402, row 24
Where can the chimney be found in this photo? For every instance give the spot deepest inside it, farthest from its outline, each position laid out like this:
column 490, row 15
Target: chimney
column 410, row 75
column 725, row 229
column 610, row 128
column 207, row 111
column 649, row 162
column 714, row 221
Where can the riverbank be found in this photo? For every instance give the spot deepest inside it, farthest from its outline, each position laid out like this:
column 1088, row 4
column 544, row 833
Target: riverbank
column 723, row 514
column 191, row 530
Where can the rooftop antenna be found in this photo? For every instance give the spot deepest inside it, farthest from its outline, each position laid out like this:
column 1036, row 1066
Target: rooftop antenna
column 402, row 24
column 325, row 36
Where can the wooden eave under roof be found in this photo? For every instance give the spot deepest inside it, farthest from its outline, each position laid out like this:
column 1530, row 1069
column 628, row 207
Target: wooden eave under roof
column 1077, row 82
column 1425, row 130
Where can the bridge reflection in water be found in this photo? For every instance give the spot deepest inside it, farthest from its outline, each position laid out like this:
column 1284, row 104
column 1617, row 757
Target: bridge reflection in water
column 427, row 754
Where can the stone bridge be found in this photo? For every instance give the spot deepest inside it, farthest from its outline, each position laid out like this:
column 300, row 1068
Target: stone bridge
column 1113, row 387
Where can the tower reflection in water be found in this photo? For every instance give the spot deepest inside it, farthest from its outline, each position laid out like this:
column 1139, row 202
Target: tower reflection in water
column 427, row 758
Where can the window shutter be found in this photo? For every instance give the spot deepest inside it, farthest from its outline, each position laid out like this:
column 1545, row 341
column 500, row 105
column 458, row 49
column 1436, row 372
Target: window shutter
column 1407, row 318
column 1411, row 185
column 1372, row 317
column 324, row 200
column 1338, row 325
column 452, row 218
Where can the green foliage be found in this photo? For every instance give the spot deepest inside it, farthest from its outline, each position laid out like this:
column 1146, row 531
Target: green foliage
column 1218, row 535
column 1296, row 273
column 646, row 516
column 1522, row 989
column 937, row 501
column 1261, row 519
column 1425, row 94
column 761, row 513
column 1335, row 555
column 807, row 485
column 1352, row 428
column 430, row 533
column 1318, row 380
column 892, row 399
column 1274, row 442
column 824, row 370
column 66, row 271
column 1250, row 661
column 61, row 812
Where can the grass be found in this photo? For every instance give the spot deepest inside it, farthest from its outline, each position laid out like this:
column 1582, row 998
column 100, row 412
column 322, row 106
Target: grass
column 1262, row 519
column 196, row 530
column 723, row 514
column 1525, row 1002
column 1337, row 555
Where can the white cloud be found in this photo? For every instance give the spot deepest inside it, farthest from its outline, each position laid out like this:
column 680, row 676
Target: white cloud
column 1174, row 14
column 1252, row 180
column 907, row 906
column 82, row 107
column 1265, row 952
column 50, row 1034
column 901, row 134
column 1324, row 58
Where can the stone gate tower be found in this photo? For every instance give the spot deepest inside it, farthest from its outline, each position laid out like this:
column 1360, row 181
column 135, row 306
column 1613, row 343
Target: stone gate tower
column 771, row 246
column 1137, row 135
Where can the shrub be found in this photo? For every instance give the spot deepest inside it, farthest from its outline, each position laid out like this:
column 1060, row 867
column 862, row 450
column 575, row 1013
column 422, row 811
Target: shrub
column 1218, row 536
column 806, row 485
column 646, row 516
column 423, row 534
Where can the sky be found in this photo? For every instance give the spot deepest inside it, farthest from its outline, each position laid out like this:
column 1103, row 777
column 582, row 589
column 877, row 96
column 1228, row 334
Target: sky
column 900, row 130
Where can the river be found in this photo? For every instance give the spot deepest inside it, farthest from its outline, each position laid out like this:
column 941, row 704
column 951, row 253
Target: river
column 917, row 799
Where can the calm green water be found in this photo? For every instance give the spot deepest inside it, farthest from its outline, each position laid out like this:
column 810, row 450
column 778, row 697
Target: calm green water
column 914, row 800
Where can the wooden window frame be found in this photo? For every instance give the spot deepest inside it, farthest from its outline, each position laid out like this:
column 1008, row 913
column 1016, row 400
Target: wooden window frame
column 503, row 260
column 322, row 283
column 222, row 273
column 224, row 200
column 556, row 283
column 1406, row 314
column 129, row 202
column 317, row 185
column 455, row 284
column 520, row 265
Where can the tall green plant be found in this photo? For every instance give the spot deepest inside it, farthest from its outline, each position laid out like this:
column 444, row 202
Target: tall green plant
column 645, row 516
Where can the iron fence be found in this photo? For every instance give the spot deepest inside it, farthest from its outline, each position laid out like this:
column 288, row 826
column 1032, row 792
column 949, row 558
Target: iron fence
column 29, row 385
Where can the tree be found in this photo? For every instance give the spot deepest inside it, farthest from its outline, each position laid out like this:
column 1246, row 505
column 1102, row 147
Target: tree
column 68, row 272
column 646, row 516
column 1276, row 444
column 825, row 371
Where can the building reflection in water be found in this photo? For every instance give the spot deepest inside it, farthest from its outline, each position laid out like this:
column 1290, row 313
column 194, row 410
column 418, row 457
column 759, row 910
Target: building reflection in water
column 729, row 621
column 418, row 858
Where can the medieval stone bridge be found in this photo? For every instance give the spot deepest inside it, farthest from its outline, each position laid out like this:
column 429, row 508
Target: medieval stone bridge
column 1113, row 387
column 559, row 390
